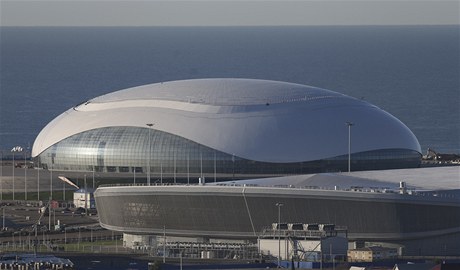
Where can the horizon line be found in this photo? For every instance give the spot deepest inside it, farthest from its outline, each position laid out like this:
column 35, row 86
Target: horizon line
column 249, row 25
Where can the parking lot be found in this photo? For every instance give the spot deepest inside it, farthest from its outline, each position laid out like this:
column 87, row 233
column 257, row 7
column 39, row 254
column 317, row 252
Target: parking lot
column 21, row 220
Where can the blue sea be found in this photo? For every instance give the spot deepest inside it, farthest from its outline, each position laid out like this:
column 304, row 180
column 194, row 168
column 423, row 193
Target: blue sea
column 411, row 72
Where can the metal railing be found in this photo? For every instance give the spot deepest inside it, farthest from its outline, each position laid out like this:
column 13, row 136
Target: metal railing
column 357, row 189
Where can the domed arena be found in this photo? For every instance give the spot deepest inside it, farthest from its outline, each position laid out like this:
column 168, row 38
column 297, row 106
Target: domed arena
column 223, row 129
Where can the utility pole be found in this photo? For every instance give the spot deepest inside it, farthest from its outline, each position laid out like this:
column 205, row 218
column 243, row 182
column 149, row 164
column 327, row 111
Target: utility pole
column 25, row 175
column 279, row 205
column 150, row 155
column 164, row 244
column 349, row 124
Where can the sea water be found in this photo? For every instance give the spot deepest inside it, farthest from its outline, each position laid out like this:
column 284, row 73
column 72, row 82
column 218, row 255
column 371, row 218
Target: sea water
column 411, row 72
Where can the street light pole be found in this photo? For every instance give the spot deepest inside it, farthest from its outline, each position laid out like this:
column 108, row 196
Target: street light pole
column 38, row 180
column 25, row 175
column 164, row 244
column 1, row 175
column 279, row 205
column 150, row 155
column 51, row 179
column 233, row 166
column 15, row 149
column 13, row 173
column 349, row 124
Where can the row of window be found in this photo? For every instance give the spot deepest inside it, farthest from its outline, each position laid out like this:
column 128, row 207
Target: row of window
column 129, row 150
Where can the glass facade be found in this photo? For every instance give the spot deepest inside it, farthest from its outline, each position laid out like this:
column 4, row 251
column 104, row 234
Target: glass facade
column 129, row 150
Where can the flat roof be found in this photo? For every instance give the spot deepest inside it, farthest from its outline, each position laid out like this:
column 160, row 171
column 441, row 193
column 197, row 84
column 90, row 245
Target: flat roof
column 432, row 178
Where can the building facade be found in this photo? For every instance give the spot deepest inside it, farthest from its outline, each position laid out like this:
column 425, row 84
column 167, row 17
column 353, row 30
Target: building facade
column 222, row 129
column 372, row 254
column 421, row 223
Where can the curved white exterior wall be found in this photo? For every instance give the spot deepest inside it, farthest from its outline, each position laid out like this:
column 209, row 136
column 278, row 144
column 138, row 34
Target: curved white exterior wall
column 253, row 119
column 258, row 120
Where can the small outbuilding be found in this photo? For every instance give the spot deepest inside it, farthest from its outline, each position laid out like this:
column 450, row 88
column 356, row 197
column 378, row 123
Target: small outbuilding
column 371, row 254
column 84, row 198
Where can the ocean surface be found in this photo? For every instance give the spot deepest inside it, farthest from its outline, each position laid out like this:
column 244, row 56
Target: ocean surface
column 412, row 72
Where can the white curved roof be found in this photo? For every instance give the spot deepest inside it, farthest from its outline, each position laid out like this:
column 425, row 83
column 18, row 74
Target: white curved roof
column 254, row 119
